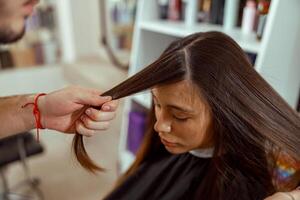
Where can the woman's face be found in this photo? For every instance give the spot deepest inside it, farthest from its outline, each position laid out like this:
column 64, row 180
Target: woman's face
column 183, row 119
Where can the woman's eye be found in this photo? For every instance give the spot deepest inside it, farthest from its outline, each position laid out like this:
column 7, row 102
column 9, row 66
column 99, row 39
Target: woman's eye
column 182, row 119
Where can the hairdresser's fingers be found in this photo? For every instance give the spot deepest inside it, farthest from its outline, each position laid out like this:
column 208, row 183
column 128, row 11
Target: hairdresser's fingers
column 81, row 129
column 98, row 115
column 95, row 125
column 110, row 106
column 88, row 96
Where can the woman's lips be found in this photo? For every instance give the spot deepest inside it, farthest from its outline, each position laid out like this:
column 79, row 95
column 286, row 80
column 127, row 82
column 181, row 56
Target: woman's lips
column 167, row 143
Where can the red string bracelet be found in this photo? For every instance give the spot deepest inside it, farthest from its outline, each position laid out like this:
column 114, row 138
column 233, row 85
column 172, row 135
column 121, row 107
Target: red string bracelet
column 37, row 114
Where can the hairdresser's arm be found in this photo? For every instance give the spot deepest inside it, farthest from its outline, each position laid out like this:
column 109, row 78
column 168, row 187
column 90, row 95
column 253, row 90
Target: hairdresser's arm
column 63, row 110
column 293, row 195
column 14, row 119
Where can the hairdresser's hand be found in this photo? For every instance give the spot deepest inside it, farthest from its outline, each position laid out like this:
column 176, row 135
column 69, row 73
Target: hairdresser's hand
column 285, row 196
column 68, row 110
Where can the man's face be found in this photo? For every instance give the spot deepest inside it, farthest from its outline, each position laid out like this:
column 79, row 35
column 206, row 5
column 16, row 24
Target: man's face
column 13, row 14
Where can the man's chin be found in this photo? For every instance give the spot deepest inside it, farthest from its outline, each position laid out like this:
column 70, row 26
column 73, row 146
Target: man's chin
column 7, row 36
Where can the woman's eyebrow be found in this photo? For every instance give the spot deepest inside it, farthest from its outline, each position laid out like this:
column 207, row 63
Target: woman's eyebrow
column 186, row 110
column 176, row 107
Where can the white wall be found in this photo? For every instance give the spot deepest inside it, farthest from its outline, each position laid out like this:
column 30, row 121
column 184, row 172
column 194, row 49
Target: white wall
column 85, row 14
column 279, row 62
column 65, row 29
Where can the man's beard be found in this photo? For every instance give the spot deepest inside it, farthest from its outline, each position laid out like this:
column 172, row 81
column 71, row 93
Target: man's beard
column 8, row 36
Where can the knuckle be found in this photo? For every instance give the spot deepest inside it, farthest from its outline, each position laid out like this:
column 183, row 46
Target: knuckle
column 91, row 113
column 88, row 123
column 97, row 114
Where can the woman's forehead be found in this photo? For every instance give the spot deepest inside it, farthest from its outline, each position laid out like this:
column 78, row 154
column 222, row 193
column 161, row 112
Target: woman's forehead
column 180, row 92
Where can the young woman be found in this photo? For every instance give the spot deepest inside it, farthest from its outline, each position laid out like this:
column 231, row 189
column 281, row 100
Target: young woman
column 216, row 128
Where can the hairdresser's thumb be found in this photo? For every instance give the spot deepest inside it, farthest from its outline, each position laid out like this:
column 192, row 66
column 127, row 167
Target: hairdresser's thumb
column 95, row 100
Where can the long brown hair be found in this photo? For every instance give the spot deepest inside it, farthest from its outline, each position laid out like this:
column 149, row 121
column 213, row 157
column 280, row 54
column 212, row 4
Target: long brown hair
column 251, row 121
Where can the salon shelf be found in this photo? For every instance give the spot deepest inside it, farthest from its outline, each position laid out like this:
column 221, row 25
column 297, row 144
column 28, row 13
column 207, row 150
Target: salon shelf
column 152, row 36
column 178, row 29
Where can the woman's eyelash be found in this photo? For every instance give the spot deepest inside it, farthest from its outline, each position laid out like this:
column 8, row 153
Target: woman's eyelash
column 180, row 119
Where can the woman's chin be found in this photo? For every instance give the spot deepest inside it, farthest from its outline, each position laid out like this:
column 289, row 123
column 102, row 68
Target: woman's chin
column 175, row 150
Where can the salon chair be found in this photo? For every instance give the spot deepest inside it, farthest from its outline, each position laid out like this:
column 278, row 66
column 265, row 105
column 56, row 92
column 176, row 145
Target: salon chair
column 18, row 148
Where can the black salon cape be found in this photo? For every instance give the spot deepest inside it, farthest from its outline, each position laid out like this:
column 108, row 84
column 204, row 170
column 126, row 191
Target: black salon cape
column 169, row 178
column 178, row 177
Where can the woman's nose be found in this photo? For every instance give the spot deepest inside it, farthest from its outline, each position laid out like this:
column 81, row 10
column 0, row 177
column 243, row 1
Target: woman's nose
column 162, row 126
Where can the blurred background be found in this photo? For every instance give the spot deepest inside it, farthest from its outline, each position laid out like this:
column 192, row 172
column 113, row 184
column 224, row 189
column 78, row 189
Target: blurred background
column 98, row 43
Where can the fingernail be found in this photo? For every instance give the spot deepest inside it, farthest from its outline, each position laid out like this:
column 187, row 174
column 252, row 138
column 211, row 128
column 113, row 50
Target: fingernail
column 106, row 108
column 88, row 111
column 107, row 98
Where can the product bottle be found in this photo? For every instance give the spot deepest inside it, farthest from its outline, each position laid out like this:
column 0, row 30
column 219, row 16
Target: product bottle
column 263, row 9
column 231, row 14
column 163, row 8
column 249, row 14
column 174, row 12
column 191, row 12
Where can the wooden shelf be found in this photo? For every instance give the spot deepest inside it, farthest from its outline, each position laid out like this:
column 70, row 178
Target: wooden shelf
column 178, row 29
